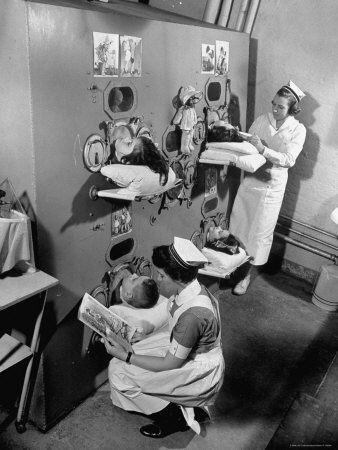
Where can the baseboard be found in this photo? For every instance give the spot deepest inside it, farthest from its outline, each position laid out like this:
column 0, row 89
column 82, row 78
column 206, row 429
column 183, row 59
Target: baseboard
column 298, row 271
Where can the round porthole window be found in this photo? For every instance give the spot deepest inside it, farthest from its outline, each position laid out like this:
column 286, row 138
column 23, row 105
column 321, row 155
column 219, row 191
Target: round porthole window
column 121, row 99
column 95, row 153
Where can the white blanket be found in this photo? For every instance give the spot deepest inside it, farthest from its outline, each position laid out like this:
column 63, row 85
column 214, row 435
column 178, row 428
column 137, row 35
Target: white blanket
column 146, row 320
column 222, row 264
column 239, row 147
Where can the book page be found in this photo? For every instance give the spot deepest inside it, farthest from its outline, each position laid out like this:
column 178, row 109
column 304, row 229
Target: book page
column 107, row 324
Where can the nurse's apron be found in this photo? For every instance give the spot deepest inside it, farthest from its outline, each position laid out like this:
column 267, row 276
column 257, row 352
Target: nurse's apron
column 196, row 383
column 260, row 195
column 256, row 210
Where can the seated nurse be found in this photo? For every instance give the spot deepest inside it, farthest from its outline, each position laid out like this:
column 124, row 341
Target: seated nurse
column 141, row 167
column 171, row 373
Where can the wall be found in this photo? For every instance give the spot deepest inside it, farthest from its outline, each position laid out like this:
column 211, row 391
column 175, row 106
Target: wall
column 194, row 9
column 297, row 41
column 64, row 116
column 16, row 149
column 50, row 81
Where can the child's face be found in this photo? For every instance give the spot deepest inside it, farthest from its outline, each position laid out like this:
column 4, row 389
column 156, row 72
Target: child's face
column 131, row 290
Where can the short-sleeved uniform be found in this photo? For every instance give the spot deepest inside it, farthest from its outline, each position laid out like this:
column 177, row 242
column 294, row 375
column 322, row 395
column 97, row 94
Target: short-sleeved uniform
column 195, row 331
column 260, row 195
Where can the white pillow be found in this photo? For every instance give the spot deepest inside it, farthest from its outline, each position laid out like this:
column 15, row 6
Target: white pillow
column 222, row 262
column 249, row 163
column 146, row 320
column 240, row 147
column 138, row 179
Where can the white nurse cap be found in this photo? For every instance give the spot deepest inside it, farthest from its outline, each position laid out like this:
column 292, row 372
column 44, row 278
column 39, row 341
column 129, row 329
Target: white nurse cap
column 186, row 254
column 294, row 89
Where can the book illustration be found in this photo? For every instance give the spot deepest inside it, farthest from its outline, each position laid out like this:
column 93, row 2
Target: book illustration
column 104, row 322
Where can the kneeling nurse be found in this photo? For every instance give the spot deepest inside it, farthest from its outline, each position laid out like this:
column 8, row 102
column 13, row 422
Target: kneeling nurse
column 174, row 371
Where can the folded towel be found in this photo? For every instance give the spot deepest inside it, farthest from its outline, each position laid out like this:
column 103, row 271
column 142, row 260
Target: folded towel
column 222, row 155
column 240, row 147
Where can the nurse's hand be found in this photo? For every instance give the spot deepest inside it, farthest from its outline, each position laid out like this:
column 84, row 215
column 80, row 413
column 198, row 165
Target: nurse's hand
column 115, row 349
column 255, row 141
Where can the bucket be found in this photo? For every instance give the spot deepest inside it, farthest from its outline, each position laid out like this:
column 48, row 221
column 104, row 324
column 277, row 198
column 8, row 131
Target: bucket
column 325, row 294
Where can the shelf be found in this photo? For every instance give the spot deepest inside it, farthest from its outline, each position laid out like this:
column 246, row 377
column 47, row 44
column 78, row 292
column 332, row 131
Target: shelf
column 12, row 352
column 16, row 288
column 126, row 194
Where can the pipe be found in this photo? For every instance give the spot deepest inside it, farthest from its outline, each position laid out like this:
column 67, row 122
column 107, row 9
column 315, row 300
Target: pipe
column 309, row 226
column 315, row 250
column 224, row 13
column 307, row 236
column 242, row 15
column 251, row 16
column 211, row 11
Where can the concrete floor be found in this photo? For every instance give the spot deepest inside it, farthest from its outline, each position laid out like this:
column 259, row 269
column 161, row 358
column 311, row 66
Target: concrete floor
column 277, row 345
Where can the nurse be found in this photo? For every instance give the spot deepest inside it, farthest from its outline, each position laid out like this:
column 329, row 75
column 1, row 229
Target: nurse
column 174, row 371
column 279, row 137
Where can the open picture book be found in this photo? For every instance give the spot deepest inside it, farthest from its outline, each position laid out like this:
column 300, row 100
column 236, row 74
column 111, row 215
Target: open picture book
column 107, row 324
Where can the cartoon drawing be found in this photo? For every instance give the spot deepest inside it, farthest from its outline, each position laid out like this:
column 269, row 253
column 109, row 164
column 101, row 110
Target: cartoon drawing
column 131, row 56
column 106, row 54
column 121, row 221
column 222, row 57
column 208, row 58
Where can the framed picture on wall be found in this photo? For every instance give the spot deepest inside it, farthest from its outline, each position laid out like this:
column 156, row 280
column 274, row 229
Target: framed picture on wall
column 208, row 58
column 222, row 57
column 121, row 221
column 131, row 56
column 106, row 54
column 210, row 181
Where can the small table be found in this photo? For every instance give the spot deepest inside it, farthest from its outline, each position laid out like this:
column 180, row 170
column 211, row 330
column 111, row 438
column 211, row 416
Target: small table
column 14, row 290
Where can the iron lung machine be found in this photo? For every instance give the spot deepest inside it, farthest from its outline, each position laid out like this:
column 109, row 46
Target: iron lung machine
column 83, row 234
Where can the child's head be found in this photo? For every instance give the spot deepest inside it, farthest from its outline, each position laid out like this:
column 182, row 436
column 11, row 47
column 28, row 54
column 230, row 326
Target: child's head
column 139, row 291
column 141, row 151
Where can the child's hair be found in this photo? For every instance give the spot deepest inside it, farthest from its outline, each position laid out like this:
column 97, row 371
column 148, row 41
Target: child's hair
column 145, row 153
column 150, row 293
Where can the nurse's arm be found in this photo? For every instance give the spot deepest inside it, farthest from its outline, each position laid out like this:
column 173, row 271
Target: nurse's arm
column 155, row 363
column 291, row 151
column 175, row 358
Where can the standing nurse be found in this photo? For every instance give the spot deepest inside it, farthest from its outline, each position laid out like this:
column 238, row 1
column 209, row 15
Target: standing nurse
column 171, row 373
column 279, row 137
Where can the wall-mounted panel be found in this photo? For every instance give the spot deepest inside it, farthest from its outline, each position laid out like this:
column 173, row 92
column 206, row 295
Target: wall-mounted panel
column 68, row 105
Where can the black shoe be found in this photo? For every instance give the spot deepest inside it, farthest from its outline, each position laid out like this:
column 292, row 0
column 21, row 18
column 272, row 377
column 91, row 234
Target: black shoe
column 152, row 430
column 156, row 431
